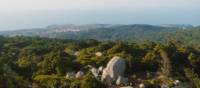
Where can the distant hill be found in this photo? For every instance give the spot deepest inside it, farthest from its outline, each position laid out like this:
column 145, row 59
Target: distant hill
column 180, row 26
column 68, row 28
column 135, row 32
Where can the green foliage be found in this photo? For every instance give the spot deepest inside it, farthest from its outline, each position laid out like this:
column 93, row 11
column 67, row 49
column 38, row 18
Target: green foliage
column 54, row 63
column 52, row 81
column 9, row 78
column 75, row 84
column 193, row 78
column 44, row 62
column 90, row 82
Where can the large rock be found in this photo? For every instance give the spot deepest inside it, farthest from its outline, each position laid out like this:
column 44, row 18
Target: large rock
column 114, row 69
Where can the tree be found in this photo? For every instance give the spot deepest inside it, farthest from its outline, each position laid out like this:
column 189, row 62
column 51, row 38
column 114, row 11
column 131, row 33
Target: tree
column 9, row 78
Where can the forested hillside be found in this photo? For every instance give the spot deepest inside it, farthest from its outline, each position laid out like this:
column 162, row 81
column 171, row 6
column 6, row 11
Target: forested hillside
column 186, row 34
column 51, row 63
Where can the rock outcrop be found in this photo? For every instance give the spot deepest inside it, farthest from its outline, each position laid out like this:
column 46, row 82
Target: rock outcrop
column 114, row 69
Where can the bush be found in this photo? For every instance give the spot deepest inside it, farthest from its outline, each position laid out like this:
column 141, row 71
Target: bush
column 90, row 82
column 52, row 81
column 193, row 78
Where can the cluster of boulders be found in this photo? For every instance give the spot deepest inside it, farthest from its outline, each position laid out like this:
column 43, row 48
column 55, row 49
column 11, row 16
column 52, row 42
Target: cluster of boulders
column 112, row 73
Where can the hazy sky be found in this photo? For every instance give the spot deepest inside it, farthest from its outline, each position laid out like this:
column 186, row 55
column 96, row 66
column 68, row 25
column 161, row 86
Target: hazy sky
column 17, row 14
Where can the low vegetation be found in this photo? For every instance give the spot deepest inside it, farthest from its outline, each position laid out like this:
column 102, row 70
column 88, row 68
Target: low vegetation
column 43, row 62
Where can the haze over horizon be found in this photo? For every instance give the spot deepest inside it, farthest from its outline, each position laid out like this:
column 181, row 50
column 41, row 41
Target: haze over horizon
column 21, row 14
